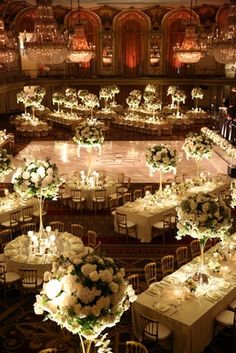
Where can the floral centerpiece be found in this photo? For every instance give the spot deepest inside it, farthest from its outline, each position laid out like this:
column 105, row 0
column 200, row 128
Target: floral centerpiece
column 91, row 101
column 178, row 96
column 134, row 99
column 58, row 98
column 89, row 136
column 106, row 94
column 85, row 295
column 153, row 104
column 203, row 216
column 198, row 147
column 170, row 92
column 163, row 158
column 197, row 93
column 150, row 88
column 114, row 90
column 5, row 163
column 33, row 99
column 233, row 193
column 37, row 178
column 82, row 94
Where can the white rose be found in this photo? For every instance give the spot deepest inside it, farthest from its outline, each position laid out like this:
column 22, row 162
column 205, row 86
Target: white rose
column 25, row 175
column 41, row 171
column 52, row 288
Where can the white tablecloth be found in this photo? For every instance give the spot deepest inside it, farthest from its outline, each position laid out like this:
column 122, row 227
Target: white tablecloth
column 192, row 322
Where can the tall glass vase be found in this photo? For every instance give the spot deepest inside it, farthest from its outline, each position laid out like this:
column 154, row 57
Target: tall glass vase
column 89, row 149
column 40, row 205
column 201, row 276
column 160, row 182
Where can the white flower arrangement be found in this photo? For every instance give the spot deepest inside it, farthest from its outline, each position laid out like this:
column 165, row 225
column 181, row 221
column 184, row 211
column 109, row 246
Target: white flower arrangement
column 58, row 98
column 203, row 216
column 197, row 93
column 70, row 92
column 114, row 89
column 5, row 162
column 197, row 146
column 217, row 139
column 150, row 88
column 233, row 193
column 85, row 295
column 82, row 94
column 161, row 157
column 171, row 90
column 153, row 104
column 179, row 96
column 134, row 99
column 91, row 101
column 31, row 99
column 37, row 178
column 106, row 93
column 89, row 135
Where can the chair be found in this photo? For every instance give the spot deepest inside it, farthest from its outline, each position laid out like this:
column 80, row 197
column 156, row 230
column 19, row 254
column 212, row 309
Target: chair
column 163, row 226
column 57, row 225
column 154, row 331
column 195, row 248
column 5, row 237
column 99, row 199
column 30, row 282
column 150, row 272
column 64, row 195
column 77, row 200
column 134, row 281
column 148, row 189
column 126, row 184
column 13, row 222
column 138, row 193
column 77, row 230
column 225, row 322
column 92, row 238
column 135, row 347
column 7, row 281
column 121, row 178
column 167, row 265
column 113, row 204
column 181, row 255
column 124, row 226
column 127, row 197
column 26, row 214
column 26, row 227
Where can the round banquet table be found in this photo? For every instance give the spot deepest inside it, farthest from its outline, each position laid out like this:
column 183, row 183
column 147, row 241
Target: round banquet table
column 17, row 253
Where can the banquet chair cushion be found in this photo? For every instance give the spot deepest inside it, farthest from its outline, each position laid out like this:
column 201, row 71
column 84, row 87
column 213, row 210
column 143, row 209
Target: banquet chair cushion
column 163, row 332
column 31, row 285
column 225, row 317
column 11, row 277
column 232, row 305
column 129, row 224
column 9, row 224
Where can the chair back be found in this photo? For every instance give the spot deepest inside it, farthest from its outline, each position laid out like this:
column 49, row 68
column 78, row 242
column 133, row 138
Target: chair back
column 195, row 248
column 100, row 195
column 14, row 218
column 181, row 255
column 135, row 347
column 77, row 230
column 26, row 227
column 2, row 275
column 150, row 272
column 149, row 328
column 167, row 265
column 167, row 220
column 92, row 238
column 76, row 194
column 27, row 213
column 147, row 188
column 28, row 278
column 121, row 178
column 5, row 237
column 57, row 225
column 134, row 281
column 138, row 193
column 121, row 221
column 127, row 197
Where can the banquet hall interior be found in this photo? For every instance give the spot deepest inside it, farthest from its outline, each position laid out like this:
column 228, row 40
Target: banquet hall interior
column 117, row 176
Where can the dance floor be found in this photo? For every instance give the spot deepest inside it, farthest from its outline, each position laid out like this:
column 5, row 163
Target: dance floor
column 116, row 157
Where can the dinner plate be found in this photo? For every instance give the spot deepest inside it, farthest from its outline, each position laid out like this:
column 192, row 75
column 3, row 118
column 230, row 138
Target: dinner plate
column 153, row 288
column 224, row 285
column 214, row 295
column 161, row 306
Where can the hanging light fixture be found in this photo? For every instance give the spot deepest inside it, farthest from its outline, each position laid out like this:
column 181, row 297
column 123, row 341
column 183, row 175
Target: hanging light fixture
column 224, row 42
column 189, row 52
column 47, row 45
column 8, row 45
column 80, row 51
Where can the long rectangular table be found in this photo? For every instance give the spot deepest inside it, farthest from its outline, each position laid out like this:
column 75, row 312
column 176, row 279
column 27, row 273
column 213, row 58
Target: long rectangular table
column 144, row 217
column 192, row 323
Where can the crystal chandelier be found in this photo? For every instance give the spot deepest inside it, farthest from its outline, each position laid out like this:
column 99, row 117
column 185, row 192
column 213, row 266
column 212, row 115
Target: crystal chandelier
column 80, row 51
column 224, row 43
column 47, row 45
column 8, row 46
column 190, row 51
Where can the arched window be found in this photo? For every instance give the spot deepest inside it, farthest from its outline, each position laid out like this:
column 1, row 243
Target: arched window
column 131, row 29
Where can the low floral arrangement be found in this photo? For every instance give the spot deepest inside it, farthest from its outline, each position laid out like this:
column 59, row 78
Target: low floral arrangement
column 203, row 216
column 217, row 139
column 191, row 284
column 85, row 295
column 197, row 146
column 5, row 162
column 89, row 135
column 233, row 193
column 37, row 178
column 161, row 157
column 197, row 93
column 214, row 265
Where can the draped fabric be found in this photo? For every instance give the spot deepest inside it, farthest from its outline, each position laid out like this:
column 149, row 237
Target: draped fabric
column 130, row 49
